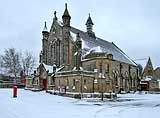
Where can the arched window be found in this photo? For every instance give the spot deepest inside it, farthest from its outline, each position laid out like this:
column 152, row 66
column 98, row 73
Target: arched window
column 54, row 52
column 57, row 53
column 51, row 50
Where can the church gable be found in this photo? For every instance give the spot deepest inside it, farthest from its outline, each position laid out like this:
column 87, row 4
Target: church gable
column 148, row 70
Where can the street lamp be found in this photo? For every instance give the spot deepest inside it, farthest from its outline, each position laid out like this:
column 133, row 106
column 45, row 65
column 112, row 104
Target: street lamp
column 101, row 77
column 81, row 84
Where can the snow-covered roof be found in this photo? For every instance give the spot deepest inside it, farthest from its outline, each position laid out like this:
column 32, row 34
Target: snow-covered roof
column 96, row 49
column 100, row 45
column 75, row 68
column 48, row 68
column 148, row 78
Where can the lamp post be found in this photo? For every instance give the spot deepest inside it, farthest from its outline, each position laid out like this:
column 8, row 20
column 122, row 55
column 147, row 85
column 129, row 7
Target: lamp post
column 102, row 91
column 81, row 84
column 95, row 80
column 101, row 77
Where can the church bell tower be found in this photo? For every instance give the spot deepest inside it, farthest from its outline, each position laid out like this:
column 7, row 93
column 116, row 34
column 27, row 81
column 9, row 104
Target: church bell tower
column 66, row 37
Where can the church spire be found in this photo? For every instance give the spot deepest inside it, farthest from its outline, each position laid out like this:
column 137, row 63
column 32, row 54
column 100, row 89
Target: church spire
column 45, row 32
column 45, row 27
column 66, row 13
column 89, row 21
column 66, row 17
column 89, row 24
column 67, row 59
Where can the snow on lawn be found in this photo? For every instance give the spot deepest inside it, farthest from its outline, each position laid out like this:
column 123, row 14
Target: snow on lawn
column 43, row 105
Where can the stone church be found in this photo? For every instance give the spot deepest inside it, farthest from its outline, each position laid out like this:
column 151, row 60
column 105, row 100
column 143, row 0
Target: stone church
column 84, row 62
column 150, row 79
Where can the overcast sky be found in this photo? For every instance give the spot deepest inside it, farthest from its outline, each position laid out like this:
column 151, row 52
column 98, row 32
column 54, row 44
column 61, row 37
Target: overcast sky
column 133, row 25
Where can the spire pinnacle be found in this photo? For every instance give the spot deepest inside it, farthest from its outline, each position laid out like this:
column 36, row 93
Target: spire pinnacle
column 89, row 20
column 45, row 27
column 66, row 13
column 89, row 25
column 55, row 15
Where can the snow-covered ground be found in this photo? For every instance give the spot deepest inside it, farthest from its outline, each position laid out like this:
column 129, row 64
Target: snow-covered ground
column 43, row 105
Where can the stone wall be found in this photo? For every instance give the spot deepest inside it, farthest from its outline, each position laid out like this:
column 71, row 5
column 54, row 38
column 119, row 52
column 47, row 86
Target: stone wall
column 75, row 81
column 115, row 75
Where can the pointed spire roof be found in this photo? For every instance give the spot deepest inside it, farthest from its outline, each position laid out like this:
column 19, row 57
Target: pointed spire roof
column 66, row 13
column 148, row 70
column 45, row 27
column 149, row 63
column 89, row 20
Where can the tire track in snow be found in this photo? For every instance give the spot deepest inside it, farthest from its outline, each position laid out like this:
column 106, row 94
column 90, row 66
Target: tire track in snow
column 99, row 111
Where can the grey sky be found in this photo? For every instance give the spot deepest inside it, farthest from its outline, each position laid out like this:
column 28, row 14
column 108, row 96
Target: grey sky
column 133, row 25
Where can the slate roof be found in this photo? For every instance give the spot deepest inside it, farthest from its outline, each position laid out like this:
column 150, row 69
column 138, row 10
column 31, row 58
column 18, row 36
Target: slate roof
column 89, row 43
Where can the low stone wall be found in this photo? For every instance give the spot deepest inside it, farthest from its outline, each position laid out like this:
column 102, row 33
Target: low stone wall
column 10, row 85
column 85, row 95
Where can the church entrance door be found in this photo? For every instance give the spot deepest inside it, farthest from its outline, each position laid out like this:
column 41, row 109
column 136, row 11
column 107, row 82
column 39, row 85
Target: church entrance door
column 45, row 84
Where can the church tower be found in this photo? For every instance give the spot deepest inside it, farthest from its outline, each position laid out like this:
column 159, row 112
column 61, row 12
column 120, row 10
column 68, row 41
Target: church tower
column 45, row 35
column 66, row 37
column 89, row 25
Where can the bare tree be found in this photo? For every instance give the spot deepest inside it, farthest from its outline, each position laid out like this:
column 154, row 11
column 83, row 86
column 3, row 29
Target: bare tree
column 1, row 63
column 28, row 62
column 11, row 61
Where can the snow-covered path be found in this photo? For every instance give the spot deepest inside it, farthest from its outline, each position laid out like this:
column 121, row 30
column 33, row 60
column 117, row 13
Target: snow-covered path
column 42, row 105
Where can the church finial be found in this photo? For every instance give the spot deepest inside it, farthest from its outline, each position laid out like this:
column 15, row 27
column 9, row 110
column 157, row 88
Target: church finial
column 89, row 21
column 66, row 13
column 45, row 32
column 66, row 17
column 55, row 15
column 45, row 27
